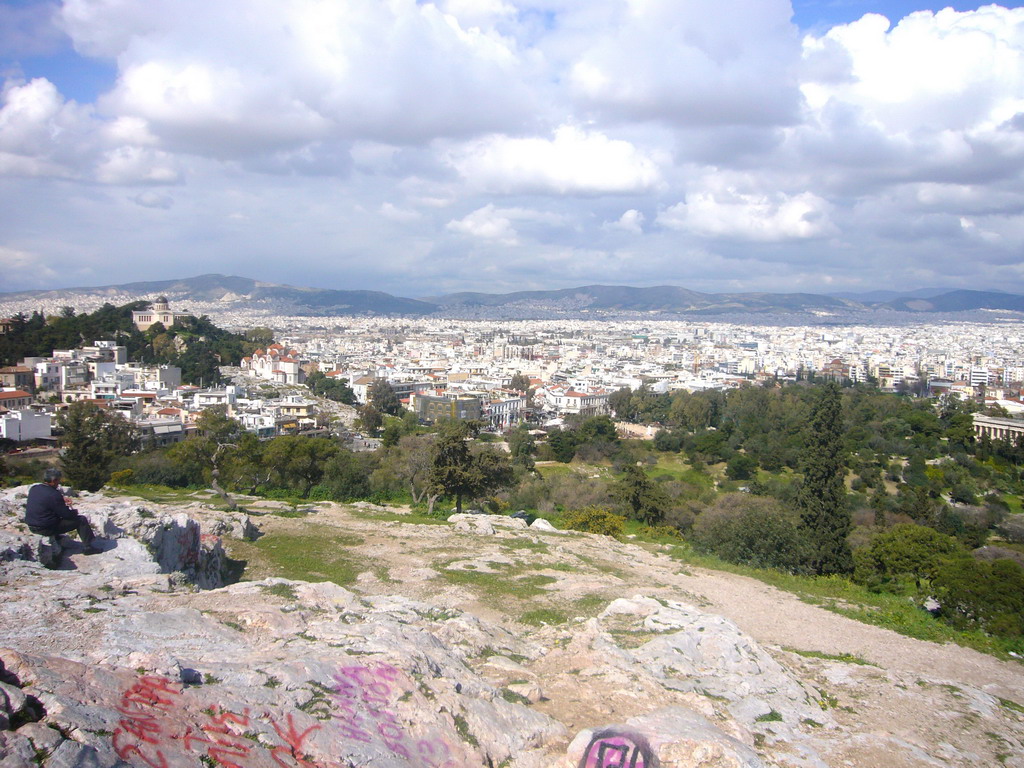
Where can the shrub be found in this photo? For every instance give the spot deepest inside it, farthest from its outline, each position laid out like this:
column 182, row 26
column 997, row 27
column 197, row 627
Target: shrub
column 751, row 530
column 593, row 520
column 156, row 468
column 901, row 554
column 120, row 478
column 989, row 596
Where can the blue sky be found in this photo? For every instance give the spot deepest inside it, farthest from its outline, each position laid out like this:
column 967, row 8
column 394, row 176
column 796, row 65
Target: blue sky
column 420, row 148
column 821, row 14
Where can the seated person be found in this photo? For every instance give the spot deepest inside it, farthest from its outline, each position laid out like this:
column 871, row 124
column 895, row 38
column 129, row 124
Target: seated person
column 47, row 512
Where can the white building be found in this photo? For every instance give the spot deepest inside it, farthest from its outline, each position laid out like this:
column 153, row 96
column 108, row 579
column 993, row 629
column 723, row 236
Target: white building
column 159, row 312
column 276, row 364
column 25, row 425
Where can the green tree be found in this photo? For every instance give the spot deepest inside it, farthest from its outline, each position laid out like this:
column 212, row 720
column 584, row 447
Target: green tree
column 215, row 424
column 260, row 336
column 298, row 461
column 621, row 403
column 92, row 439
column 520, row 383
column 331, row 388
column 346, row 476
column 410, row 465
column 904, row 552
column 522, row 447
column 458, row 471
column 244, row 467
column 392, row 434
column 562, row 444
column 824, row 517
column 382, row 396
column 641, row 497
column 370, row 418
column 988, row 596
column 741, row 467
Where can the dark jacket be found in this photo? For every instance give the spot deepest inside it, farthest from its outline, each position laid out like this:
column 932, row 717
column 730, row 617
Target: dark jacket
column 46, row 507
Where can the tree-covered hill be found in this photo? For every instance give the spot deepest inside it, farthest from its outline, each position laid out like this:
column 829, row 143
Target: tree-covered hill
column 194, row 344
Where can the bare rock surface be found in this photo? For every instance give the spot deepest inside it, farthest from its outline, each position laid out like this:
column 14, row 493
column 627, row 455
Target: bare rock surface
column 464, row 645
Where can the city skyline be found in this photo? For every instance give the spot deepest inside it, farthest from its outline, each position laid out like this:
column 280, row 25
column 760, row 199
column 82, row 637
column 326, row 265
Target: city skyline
column 498, row 146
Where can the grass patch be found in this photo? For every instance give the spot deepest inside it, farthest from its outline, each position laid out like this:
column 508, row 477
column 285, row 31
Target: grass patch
column 514, row 698
column 532, row 546
column 284, row 591
column 415, row 516
column 846, row 658
column 590, row 605
column 164, row 494
column 463, row 730
column 842, row 596
column 318, row 554
column 770, row 717
column 631, row 638
column 563, row 567
column 1013, row 706
column 502, row 583
column 540, row 616
column 676, row 467
column 292, row 513
column 553, row 470
column 605, row 566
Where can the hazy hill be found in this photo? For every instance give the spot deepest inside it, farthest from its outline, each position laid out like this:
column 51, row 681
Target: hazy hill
column 239, row 292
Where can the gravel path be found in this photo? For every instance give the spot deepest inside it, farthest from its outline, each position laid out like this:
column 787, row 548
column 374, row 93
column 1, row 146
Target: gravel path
column 774, row 617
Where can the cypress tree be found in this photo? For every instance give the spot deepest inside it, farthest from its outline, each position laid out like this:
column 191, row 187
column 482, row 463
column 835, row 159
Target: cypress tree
column 824, row 517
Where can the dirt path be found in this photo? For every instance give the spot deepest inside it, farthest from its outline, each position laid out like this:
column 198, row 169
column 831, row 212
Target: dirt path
column 774, row 617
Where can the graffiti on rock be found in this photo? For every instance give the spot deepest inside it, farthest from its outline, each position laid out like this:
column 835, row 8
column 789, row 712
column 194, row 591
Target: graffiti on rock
column 615, row 748
column 162, row 725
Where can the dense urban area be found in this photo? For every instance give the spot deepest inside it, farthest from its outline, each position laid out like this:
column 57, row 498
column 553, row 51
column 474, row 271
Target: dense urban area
column 888, row 457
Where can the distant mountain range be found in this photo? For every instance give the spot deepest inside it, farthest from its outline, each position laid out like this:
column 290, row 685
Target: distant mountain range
column 240, row 292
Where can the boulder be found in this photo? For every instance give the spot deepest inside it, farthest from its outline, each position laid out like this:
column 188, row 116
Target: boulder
column 673, row 737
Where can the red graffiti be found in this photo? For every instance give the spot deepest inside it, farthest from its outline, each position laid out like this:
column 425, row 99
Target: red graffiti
column 143, row 705
column 160, row 721
column 224, row 745
column 293, row 738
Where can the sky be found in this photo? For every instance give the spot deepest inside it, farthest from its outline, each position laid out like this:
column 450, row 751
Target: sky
column 422, row 148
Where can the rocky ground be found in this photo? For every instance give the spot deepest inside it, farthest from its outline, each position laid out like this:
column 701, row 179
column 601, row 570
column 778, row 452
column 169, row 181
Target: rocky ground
column 478, row 642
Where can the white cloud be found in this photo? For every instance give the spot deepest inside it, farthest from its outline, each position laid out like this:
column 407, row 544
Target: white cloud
column 692, row 63
column 24, row 268
column 136, row 165
column 932, row 98
column 40, row 133
column 630, row 221
column 369, row 135
column 574, row 162
column 401, row 215
column 151, row 199
column 207, row 79
column 725, row 211
column 488, row 223
column 493, row 223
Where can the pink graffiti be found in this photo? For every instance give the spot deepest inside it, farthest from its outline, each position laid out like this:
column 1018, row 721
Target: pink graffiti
column 363, row 695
